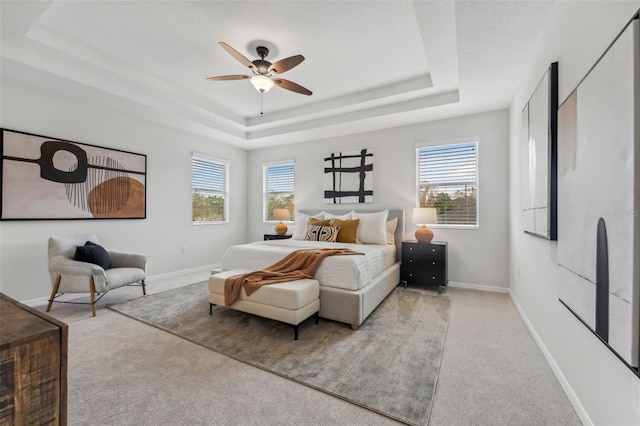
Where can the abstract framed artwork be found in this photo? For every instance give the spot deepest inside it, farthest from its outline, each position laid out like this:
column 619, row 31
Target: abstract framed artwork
column 539, row 124
column 348, row 177
column 45, row 178
column 599, row 198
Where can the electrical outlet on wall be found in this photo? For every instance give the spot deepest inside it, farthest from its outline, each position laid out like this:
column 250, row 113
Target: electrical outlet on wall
column 184, row 249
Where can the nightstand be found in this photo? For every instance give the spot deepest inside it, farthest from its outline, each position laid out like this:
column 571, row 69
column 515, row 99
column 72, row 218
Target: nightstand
column 276, row 237
column 424, row 264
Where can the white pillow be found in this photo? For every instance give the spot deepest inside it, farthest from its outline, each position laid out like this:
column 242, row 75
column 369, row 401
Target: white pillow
column 373, row 227
column 301, row 221
column 346, row 216
column 391, row 230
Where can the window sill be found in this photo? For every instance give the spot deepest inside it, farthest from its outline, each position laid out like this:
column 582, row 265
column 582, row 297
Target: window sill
column 454, row 226
column 223, row 222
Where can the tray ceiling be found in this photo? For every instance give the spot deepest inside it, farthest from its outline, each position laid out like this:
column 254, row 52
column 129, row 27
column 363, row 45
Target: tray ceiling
column 370, row 64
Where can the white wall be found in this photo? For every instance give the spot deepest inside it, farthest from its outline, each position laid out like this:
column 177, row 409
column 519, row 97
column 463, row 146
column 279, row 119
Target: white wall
column 23, row 244
column 576, row 37
column 476, row 256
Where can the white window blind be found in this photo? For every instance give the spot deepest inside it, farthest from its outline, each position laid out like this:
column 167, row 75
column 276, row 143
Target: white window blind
column 448, row 181
column 278, row 188
column 209, row 182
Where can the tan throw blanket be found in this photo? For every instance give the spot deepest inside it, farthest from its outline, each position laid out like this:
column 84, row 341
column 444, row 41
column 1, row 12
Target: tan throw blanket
column 296, row 265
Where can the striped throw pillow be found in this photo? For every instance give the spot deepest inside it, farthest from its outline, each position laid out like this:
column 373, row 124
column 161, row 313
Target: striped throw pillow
column 322, row 233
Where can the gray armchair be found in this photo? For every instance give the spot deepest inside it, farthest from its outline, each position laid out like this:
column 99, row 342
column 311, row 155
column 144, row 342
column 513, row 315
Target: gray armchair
column 72, row 276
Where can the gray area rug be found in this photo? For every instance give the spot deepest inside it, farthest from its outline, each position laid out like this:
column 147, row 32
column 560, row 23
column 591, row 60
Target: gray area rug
column 389, row 365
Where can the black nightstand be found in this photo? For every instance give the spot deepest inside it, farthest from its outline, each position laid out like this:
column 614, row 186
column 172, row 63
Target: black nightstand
column 424, row 264
column 276, row 237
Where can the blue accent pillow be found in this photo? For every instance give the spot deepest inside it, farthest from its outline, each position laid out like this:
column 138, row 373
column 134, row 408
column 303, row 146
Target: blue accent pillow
column 93, row 253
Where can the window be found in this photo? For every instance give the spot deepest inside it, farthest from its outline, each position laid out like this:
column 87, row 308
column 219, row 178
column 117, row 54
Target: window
column 210, row 189
column 278, row 188
column 448, row 180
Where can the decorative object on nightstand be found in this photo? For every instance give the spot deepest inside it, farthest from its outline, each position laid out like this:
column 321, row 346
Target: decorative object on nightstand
column 424, row 264
column 276, row 237
column 423, row 216
column 281, row 214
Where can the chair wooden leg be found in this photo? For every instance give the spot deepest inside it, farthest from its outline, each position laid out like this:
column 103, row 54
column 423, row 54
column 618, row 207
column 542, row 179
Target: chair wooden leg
column 56, row 286
column 144, row 288
column 92, row 290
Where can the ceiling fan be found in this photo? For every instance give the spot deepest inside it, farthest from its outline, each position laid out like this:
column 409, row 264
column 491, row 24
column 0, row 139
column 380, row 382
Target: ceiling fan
column 264, row 71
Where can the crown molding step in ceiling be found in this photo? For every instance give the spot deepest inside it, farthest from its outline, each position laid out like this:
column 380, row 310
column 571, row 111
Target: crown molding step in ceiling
column 404, row 63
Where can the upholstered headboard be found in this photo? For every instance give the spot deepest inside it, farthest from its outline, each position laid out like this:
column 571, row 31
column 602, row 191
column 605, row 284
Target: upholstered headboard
column 399, row 213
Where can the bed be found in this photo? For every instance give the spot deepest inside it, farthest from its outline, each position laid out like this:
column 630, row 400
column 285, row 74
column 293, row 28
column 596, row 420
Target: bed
column 351, row 287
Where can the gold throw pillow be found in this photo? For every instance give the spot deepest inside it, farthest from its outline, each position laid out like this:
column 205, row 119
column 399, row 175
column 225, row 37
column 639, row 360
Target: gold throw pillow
column 348, row 230
column 319, row 222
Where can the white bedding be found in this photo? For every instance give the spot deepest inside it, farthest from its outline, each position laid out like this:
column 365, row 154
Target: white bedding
column 345, row 272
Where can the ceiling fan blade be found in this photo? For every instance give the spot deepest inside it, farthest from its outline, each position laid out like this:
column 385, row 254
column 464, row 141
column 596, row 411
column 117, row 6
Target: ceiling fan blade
column 237, row 55
column 228, row 77
column 286, row 64
column 290, row 85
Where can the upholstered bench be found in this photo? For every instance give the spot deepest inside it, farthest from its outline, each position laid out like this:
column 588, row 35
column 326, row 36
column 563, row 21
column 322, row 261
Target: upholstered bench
column 290, row 302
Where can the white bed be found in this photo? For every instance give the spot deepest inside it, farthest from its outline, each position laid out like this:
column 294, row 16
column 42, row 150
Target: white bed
column 351, row 287
column 345, row 272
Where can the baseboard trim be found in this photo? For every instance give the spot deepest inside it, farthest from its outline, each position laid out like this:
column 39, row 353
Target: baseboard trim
column 481, row 287
column 36, row 302
column 568, row 390
column 173, row 274
column 150, row 279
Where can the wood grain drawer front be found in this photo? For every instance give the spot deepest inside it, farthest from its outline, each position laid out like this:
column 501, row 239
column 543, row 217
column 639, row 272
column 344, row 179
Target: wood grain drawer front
column 33, row 366
column 36, row 390
column 7, row 388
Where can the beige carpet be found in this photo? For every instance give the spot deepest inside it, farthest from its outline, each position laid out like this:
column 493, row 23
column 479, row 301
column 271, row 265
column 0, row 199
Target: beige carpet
column 125, row 372
column 390, row 365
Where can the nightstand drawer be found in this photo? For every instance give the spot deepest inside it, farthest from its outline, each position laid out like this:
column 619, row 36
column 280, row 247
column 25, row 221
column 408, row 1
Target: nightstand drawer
column 423, row 249
column 423, row 262
column 422, row 276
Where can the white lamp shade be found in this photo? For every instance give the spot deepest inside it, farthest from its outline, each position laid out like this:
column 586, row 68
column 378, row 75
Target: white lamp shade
column 281, row 214
column 262, row 83
column 425, row 215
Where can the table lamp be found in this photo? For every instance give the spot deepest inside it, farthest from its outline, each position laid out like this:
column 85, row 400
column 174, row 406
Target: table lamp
column 281, row 214
column 423, row 216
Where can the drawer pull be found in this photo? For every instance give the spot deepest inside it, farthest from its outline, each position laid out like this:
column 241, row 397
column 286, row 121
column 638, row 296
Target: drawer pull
column 433, row 278
column 410, row 260
column 410, row 275
column 410, row 248
column 433, row 250
column 434, row 263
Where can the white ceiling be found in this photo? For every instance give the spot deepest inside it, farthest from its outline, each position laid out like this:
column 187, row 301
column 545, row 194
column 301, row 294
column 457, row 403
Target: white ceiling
column 370, row 64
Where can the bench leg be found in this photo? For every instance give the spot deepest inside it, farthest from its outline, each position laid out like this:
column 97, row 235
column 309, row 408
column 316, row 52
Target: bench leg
column 354, row 327
column 211, row 305
column 297, row 326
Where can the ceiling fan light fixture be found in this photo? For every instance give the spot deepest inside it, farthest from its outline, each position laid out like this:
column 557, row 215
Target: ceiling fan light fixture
column 264, row 70
column 262, row 83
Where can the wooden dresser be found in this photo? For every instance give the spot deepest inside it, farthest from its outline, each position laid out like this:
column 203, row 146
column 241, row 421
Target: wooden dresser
column 33, row 366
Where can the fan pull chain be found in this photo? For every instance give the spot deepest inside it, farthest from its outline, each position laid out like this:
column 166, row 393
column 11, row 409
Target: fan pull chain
column 261, row 104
